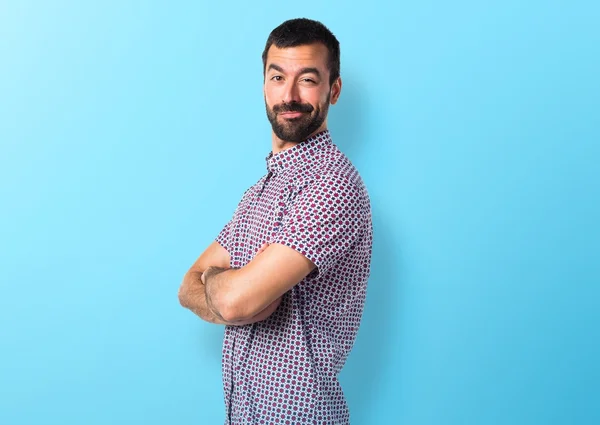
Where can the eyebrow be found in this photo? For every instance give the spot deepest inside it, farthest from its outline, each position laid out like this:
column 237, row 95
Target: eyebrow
column 302, row 71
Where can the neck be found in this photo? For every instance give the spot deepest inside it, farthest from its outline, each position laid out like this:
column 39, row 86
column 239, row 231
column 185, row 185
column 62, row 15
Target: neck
column 279, row 145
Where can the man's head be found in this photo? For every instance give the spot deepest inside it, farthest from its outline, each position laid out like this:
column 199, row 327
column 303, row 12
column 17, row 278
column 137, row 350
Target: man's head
column 301, row 64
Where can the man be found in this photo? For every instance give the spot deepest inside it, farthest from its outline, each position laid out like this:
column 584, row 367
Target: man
column 288, row 273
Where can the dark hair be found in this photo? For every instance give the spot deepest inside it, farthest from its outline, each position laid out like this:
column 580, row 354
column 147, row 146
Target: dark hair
column 302, row 31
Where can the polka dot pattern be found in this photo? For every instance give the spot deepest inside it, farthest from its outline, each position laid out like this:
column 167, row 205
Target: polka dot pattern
column 284, row 369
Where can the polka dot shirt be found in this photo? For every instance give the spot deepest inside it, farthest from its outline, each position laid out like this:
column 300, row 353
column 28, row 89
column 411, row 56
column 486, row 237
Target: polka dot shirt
column 284, row 370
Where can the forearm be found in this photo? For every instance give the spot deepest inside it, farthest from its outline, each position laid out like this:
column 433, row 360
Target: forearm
column 192, row 295
column 263, row 314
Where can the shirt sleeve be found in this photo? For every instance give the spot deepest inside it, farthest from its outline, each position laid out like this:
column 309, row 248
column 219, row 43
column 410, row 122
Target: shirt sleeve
column 223, row 236
column 324, row 221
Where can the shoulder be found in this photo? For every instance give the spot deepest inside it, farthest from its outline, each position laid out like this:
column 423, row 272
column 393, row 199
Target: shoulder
column 333, row 188
column 334, row 169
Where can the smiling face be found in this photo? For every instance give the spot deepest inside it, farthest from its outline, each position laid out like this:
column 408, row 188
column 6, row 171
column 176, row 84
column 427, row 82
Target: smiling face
column 297, row 91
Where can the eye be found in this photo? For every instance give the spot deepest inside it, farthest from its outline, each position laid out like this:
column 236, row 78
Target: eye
column 276, row 78
column 309, row 80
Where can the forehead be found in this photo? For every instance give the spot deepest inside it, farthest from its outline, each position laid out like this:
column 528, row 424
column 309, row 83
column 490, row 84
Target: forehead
column 292, row 58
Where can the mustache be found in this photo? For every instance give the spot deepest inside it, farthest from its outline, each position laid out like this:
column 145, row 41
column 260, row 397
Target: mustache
column 293, row 107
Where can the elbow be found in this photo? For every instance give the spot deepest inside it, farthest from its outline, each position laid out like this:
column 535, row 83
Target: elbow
column 183, row 294
column 230, row 316
column 241, row 311
column 229, row 310
column 233, row 308
column 182, row 297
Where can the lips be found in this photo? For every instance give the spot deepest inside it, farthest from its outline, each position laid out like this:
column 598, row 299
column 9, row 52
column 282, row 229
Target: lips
column 291, row 114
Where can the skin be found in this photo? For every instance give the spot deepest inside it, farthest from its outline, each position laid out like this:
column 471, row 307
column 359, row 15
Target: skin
column 192, row 292
column 240, row 296
column 286, row 81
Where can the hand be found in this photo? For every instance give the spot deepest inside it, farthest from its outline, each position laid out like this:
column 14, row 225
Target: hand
column 211, row 271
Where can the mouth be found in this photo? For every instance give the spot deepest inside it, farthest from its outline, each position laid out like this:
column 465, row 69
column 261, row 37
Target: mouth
column 291, row 114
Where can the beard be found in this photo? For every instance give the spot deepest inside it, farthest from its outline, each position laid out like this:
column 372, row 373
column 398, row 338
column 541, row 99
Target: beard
column 297, row 129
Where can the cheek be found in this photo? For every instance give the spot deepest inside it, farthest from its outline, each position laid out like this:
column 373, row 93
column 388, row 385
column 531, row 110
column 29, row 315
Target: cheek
column 273, row 96
column 313, row 97
column 269, row 100
column 268, row 91
column 322, row 97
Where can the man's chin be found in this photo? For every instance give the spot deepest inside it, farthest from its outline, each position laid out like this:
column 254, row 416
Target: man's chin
column 290, row 137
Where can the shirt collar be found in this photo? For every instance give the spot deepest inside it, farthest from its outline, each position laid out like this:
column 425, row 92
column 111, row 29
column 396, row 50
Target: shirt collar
column 301, row 154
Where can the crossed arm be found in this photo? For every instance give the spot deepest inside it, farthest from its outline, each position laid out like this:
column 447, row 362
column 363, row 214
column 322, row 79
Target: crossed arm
column 219, row 294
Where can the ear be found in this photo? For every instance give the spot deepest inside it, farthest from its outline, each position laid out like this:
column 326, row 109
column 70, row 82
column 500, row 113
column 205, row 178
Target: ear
column 336, row 90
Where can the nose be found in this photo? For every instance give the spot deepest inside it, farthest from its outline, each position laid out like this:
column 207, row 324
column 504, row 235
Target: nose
column 291, row 92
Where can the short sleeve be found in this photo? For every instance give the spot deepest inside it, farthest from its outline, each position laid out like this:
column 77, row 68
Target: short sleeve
column 223, row 236
column 324, row 221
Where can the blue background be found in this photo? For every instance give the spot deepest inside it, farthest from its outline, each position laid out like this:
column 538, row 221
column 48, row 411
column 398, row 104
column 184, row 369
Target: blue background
column 130, row 129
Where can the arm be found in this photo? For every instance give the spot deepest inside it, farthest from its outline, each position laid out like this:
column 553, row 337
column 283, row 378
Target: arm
column 192, row 296
column 237, row 295
column 192, row 291
column 314, row 236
